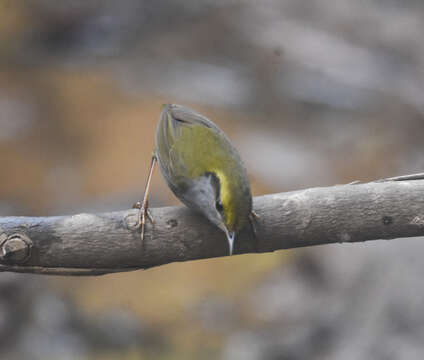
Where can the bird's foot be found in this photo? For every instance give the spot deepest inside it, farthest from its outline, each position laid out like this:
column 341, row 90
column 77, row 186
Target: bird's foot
column 143, row 213
column 253, row 220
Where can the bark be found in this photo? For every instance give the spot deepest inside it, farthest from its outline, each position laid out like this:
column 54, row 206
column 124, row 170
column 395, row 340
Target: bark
column 93, row 244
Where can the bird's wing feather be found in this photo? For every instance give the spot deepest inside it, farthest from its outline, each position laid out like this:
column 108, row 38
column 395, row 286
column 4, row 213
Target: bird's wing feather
column 175, row 120
column 184, row 116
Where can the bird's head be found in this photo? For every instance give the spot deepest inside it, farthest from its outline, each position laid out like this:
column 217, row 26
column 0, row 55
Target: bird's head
column 224, row 202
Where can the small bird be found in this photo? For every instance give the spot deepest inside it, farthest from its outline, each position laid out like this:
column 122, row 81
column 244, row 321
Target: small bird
column 202, row 168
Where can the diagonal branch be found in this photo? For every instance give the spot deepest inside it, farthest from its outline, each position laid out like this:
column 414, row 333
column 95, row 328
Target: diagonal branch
column 93, row 244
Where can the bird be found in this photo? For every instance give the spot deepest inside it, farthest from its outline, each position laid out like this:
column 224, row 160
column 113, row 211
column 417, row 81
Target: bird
column 203, row 169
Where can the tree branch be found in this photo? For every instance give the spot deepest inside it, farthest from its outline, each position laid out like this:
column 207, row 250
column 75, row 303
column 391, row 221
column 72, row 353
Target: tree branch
column 94, row 244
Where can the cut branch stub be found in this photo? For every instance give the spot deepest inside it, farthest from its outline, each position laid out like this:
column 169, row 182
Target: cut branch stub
column 15, row 249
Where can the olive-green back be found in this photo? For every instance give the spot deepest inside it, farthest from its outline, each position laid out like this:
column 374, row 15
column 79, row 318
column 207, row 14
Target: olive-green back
column 188, row 146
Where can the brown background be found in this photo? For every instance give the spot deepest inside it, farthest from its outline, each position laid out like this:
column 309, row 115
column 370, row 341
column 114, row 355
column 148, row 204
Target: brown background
column 311, row 93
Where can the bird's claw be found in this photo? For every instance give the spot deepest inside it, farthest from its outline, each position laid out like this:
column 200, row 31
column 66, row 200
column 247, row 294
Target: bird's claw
column 142, row 214
column 253, row 218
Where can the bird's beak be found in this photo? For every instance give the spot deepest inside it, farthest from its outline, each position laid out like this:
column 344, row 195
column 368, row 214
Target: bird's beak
column 230, row 238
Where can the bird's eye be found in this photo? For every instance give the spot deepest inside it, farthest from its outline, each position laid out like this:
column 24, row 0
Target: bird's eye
column 219, row 206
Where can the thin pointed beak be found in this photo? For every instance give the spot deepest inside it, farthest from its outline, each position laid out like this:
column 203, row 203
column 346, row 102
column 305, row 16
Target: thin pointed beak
column 230, row 238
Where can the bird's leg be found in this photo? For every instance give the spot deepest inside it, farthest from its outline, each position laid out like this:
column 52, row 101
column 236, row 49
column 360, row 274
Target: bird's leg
column 253, row 218
column 143, row 206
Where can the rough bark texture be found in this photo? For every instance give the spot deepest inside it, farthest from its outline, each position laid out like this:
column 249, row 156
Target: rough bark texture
column 93, row 244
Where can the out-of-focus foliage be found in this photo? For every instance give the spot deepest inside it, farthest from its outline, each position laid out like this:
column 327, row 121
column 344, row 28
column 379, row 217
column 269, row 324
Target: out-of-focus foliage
column 312, row 93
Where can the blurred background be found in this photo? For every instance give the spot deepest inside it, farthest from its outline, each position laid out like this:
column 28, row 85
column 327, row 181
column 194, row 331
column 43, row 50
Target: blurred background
column 311, row 93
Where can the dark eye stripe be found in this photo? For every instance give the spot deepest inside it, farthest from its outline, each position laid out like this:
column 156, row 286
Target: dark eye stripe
column 219, row 206
column 215, row 182
column 217, row 186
